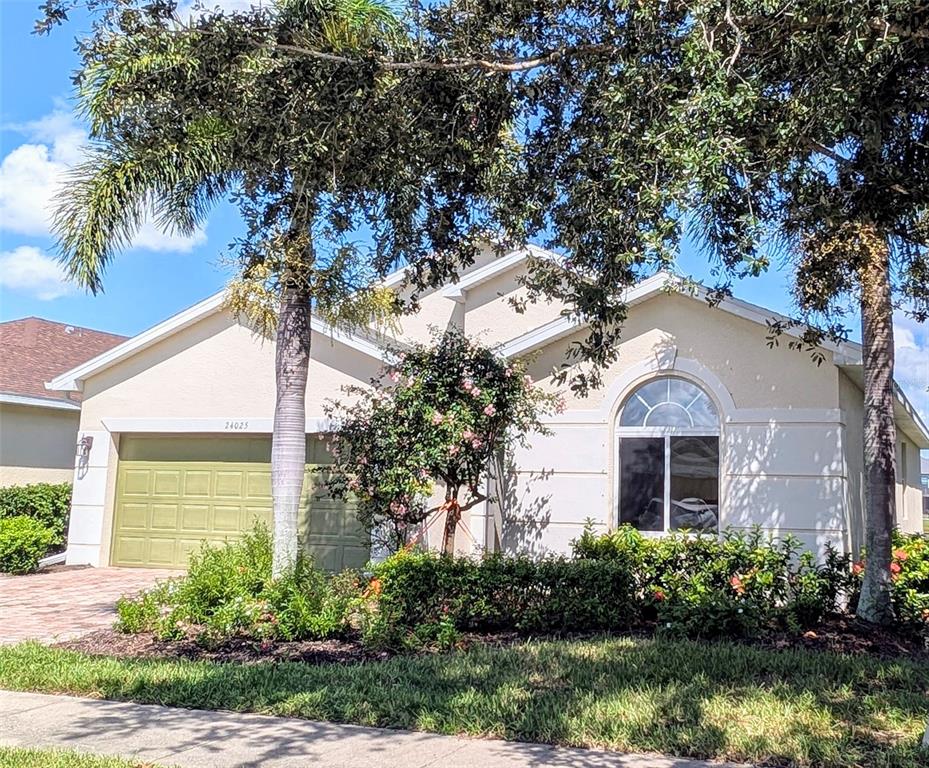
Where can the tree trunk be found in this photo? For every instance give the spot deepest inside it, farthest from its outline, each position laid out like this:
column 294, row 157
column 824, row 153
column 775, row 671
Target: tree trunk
column 288, row 443
column 452, row 516
column 879, row 432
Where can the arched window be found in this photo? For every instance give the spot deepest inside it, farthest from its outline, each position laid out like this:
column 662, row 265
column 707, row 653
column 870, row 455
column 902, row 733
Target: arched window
column 668, row 432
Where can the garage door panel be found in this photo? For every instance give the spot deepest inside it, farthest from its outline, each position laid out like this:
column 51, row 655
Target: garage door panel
column 136, row 482
column 162, row 552
column 135, row 515
column 195, row 517
column 229, row 483
column 173, row 494
column 164, row 516
column 130, row 550
column 259, row 484
column 227, row 519
column 197, row 482
column 167, row 482
column 255, row 515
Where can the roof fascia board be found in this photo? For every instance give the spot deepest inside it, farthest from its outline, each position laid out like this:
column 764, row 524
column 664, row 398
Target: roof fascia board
column 38, row 402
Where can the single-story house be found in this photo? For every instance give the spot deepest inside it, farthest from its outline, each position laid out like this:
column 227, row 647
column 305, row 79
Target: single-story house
column 38, row 427
column 700, row 425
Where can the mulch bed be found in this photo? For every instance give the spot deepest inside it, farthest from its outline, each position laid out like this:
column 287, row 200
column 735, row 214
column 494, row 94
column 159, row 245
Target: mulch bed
column 838, row 634
column 848, row 635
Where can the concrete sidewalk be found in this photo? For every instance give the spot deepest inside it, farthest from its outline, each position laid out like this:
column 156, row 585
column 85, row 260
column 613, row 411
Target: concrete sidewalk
column 198, row 739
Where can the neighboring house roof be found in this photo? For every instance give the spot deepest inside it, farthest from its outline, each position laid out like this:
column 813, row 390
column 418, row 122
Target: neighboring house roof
column 36, row 350
column 846, row 355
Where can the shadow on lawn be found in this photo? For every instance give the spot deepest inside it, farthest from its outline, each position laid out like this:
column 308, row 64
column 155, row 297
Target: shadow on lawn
column 681, row 697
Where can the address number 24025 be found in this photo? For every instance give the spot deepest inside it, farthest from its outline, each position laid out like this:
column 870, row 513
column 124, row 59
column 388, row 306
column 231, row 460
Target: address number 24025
column 236, row 425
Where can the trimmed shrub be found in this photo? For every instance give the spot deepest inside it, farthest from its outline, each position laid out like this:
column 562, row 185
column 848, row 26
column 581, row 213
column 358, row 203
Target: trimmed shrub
column 47, row 503
column 23, row 542
column 699, row 586
column 228, row 592
column 421, row 594
column 739, row 584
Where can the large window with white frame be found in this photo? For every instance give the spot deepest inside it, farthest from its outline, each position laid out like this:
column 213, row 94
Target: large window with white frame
column 668, row 457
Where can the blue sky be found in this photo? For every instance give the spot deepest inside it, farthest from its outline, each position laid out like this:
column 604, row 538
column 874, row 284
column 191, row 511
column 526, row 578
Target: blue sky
column 163, row 273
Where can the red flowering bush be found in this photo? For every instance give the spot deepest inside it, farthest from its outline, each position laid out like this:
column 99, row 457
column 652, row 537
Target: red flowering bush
column 740, row 584
column 439, row 413
column 909, row 571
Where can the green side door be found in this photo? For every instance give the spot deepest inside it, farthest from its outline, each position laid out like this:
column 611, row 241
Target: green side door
column 172, row 493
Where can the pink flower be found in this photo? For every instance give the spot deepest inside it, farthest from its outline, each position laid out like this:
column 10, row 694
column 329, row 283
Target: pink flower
column 900, row 554
column 476, row 391
column 353, row 484
column 467, row 434
column 467, row 385
column 490, row 410
column 527, row 379
column 394, row 376
column 895, row 567
column 437, row 418
column 453, row 451
column 476, row 443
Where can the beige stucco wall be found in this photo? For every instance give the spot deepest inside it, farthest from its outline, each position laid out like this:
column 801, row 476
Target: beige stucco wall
column 215, row 368
column 491, row 316
column 851, row 400
column 734, row 349
column 37, row 445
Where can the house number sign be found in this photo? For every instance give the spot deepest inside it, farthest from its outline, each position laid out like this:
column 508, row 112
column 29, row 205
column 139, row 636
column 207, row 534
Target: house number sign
column 236, row 425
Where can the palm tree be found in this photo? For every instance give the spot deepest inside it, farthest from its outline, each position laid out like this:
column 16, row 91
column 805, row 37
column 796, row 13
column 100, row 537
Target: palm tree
column 310, row 150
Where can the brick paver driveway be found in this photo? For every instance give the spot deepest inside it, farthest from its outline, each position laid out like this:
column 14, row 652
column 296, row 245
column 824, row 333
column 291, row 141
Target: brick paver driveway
column 65, row 603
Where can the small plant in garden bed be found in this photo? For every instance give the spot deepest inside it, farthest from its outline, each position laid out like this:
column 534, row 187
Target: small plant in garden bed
column 228, row 592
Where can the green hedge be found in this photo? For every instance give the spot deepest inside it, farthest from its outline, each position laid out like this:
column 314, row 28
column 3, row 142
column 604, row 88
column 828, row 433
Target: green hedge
column 738, row 585
column 23, row 542
column 700, row 586
column 48, row 503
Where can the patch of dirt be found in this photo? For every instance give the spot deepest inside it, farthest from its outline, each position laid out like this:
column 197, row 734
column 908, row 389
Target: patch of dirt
column 848, row 635
column 838, row 634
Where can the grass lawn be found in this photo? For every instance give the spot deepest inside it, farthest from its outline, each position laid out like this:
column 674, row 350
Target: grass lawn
column 14, row 757
column 678, row 697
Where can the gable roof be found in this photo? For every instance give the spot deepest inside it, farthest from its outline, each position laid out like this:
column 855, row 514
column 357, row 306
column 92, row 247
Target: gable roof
column 72, row 380
column 36, row 350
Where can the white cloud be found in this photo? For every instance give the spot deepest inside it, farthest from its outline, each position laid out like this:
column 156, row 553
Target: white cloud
column 911, row 369
column 28, row 270
column 186, row 9
column 31, row 174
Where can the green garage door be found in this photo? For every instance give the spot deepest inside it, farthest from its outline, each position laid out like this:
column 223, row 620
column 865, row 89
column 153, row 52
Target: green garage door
column 172, row 493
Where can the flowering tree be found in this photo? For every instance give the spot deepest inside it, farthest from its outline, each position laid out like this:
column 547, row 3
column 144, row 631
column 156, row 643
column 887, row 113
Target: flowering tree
column 440, row 412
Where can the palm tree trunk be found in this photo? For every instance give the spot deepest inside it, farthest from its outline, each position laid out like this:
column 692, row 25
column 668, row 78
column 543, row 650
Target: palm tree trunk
column 288, row 442
column 879, row 432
